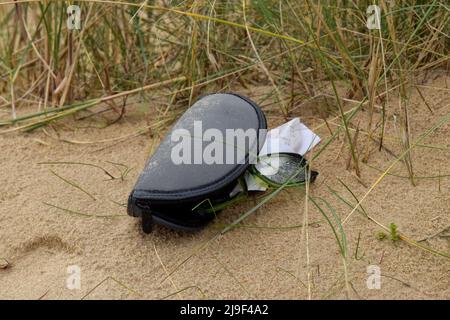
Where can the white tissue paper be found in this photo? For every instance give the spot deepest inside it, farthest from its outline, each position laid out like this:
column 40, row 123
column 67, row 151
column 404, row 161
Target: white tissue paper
column 291, row 137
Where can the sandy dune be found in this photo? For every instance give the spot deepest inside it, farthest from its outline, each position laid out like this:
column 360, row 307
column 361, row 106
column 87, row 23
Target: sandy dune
column 40, row 237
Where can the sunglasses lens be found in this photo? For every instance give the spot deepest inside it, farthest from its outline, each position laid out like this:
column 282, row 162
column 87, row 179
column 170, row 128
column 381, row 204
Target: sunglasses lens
column 283, row 167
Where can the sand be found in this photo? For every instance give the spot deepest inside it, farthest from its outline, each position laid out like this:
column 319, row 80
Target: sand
column 117, row 261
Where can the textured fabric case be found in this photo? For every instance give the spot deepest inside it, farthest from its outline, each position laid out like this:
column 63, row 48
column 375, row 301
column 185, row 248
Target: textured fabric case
column 168, row 193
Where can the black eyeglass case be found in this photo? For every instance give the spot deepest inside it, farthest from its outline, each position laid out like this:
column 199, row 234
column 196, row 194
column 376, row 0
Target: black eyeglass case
column 179, row 185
